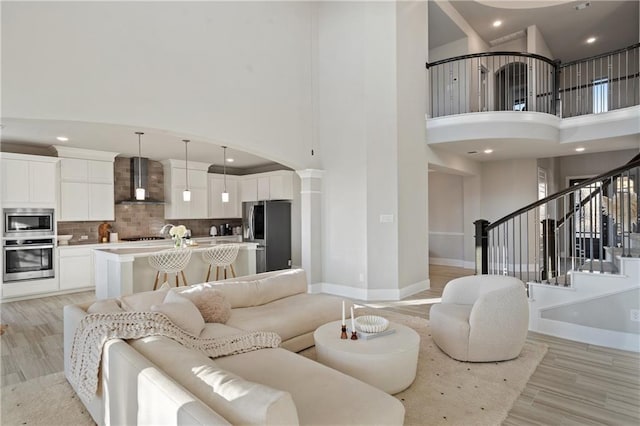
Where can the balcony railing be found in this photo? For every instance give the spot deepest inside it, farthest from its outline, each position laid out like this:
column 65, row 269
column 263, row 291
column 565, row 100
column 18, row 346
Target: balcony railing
column 510, row 81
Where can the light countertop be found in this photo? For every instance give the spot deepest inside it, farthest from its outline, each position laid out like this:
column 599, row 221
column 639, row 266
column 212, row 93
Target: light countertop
column 166, row 243
column 148, row 250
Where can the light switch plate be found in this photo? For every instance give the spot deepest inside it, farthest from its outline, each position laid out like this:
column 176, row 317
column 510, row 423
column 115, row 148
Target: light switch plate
column 386, row 218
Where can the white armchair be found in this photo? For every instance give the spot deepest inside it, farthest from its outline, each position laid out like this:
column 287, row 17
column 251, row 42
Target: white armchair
column 481, row 318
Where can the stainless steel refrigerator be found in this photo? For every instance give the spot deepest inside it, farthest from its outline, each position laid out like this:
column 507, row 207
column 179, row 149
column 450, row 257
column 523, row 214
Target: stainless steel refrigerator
column 268, row 223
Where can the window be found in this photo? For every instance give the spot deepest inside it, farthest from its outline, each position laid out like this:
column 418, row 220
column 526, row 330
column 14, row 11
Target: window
column 520, row 105
column 600, row 95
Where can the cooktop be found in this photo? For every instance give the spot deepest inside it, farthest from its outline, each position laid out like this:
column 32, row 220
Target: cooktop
column 142, row 238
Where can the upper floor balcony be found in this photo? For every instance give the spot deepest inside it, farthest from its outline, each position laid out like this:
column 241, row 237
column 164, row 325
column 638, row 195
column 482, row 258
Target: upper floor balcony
column 498, row 95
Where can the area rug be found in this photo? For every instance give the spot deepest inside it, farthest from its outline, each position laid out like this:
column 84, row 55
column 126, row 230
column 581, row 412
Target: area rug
column 450, row 392
column 445, row 392
column 46, row 401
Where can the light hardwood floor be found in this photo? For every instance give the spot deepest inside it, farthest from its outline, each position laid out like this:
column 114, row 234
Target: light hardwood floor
column 575, row 384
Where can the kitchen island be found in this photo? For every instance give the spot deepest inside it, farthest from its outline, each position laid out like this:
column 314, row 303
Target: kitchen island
column 126, row 270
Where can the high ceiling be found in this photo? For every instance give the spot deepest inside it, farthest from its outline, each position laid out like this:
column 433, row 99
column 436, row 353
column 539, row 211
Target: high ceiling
column 155, row 144
column 614, row 23
column 565, row 26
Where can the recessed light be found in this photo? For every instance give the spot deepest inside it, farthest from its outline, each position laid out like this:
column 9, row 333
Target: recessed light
column 488, row 151
column 230, row 160
column 497, row 23
column 580, row 149
column 62, row 138
column 591, row 40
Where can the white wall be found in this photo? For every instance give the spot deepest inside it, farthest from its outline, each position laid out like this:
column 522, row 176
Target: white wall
column 371, row 131
column 536, row 43
column 449, row 50
column 340, row 122
column 507, row 186
column 381, row 133
column 412, row 47
column 296, row 223
column 517, row 45
column 475, row 43
column 592, row 164
column 446, row 217
column 472, row 187
column 232, row 72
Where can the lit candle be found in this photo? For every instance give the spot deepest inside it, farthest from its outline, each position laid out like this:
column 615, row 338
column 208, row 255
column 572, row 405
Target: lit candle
column 343, row 323
column 353, row 321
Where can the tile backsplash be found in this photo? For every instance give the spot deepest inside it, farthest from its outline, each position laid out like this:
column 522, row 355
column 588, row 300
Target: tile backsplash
column 138, row 220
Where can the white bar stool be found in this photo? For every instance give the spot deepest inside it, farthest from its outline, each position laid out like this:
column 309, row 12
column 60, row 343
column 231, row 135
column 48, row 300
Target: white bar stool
column 221, row 256
column 172, row 261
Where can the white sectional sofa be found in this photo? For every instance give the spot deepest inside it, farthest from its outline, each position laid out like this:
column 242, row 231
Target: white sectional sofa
column 156, row 381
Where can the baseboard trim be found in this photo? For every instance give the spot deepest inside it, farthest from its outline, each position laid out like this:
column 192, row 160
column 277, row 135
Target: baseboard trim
column 443, row 261
column 595, row 336
column 414, row 288
column 369, row 294
column 459, row 263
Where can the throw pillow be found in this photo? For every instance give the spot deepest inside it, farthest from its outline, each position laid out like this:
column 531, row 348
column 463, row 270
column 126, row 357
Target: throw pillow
column 182, row 313
column 212, row 304
column 142, row 302
column 104, row 307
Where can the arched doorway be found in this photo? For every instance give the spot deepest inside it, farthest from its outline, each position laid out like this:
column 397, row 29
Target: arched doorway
column 511, row 87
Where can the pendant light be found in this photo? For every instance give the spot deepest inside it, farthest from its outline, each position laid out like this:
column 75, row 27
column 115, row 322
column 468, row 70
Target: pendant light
column 186, row 194
column 225, row 194
column 140, row 192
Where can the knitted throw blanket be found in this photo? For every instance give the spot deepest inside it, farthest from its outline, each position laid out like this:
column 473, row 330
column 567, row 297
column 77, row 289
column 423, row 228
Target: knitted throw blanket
column 95, row 329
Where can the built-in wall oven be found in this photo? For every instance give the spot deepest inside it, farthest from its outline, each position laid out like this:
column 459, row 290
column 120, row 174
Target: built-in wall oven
column 28, row 244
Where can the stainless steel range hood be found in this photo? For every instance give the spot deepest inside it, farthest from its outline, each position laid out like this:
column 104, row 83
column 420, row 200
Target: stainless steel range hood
column 141, row 164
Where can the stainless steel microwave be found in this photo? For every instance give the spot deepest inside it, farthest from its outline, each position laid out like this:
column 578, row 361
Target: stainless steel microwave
column 28, row 222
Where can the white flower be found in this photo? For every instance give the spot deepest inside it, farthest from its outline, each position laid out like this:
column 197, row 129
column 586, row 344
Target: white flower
column 178, row 231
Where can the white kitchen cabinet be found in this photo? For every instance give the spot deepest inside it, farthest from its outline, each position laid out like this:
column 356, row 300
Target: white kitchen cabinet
column 86, row 185
column 218, row 209
column 248, row 189
column 100, row 171
column 28, row 180
column 75, row 268
column 281, row 185
column 101, row 201
column 175, row 184
column 263, row 188
column 276, row 185
column 74, row 203
column 74, row 169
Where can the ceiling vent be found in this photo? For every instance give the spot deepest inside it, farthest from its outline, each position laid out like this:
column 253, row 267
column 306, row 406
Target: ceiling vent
column 508, row 37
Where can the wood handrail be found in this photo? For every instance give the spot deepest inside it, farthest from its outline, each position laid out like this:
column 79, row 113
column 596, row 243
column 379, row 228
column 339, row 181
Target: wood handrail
column 486, row 54
column 634, row 162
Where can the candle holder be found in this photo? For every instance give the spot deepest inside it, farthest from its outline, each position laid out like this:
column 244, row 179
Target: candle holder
column 354, row 336
column 343, row 335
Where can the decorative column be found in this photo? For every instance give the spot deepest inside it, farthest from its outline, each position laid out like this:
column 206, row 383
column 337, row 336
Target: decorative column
column 311, row 223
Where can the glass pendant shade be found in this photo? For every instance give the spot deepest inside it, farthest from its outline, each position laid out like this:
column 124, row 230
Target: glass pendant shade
column 186, row 194
column 225, row 194
column 140, row 194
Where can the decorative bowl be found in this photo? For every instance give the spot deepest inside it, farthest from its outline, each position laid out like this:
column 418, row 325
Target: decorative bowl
column 63, row 240
column 371, row 324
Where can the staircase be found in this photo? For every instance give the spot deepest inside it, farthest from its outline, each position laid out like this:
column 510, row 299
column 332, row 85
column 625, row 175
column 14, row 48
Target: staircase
column 579, row 253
